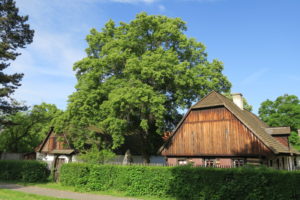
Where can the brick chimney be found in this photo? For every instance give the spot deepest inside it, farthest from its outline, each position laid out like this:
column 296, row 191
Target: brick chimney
column 238, row 100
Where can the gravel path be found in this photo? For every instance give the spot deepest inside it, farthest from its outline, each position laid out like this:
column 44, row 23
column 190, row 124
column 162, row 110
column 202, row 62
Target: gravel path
column 59, row 193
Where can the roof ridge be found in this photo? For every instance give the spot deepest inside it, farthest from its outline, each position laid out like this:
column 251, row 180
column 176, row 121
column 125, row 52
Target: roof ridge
column 203, row 98
column 218, row 96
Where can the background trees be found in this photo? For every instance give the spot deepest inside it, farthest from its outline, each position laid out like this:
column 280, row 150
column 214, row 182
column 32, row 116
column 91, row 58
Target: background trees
column 28, row 128
column 14, row 34
column 284, row 111
column 137, row 76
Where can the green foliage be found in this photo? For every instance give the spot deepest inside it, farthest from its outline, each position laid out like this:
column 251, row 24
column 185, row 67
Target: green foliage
column 284, row 111
column 25, row 171
column 15, row 33
column 96, row 156
column 135, row 78
column 28, row 128
column 185, row 182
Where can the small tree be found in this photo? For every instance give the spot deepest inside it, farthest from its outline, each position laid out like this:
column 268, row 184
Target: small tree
column 284, row 111
column 96, row 156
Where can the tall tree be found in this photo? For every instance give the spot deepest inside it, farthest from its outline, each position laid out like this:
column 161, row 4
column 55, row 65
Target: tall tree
column 136, row 77
column 28, row 128
column 284, row 111
column 14, row 34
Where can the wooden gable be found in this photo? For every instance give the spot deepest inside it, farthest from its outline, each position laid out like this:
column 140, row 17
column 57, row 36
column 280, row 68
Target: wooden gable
column 55, row 143
column 214, row 132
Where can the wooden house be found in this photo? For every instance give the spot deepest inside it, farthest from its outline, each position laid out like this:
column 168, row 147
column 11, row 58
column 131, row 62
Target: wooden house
column 55, row 150
column 219, row 132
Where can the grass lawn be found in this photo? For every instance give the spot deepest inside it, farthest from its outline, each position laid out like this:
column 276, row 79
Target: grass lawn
column 16, row 195
column 58, row 186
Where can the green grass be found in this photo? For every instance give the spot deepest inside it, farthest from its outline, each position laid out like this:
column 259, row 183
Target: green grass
column 16, row 195
column 58, row 186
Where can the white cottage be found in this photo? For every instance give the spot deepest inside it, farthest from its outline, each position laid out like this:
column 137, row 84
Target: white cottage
column 55, row 150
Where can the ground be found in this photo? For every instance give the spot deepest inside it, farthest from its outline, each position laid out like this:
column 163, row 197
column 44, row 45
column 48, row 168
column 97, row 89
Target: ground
column 14, row 191
column 6, row 194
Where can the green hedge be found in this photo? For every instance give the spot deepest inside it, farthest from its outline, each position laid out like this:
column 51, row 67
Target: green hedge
column 185, row 182
column 25, row 171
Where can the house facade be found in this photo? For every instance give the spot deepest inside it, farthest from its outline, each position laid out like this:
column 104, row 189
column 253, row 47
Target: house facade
column 55, row 150
column 219, row 132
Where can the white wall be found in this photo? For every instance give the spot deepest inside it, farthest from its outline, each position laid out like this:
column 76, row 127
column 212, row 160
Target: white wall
column 160, row 160
column 49, row 158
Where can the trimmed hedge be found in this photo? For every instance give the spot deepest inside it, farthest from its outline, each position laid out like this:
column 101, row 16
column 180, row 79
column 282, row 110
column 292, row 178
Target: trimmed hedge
column 185, row 182
column 23, row 170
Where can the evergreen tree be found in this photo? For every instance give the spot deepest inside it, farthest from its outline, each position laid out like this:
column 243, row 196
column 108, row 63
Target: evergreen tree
column 14, row 34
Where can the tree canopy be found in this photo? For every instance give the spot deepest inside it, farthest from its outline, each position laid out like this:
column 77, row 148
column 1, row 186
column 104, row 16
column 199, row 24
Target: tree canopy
column 284, row 111
column 14, row 34
column 28, row 128
column 136, row 76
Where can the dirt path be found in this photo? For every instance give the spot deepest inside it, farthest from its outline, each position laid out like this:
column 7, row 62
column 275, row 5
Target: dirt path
column 59, row 193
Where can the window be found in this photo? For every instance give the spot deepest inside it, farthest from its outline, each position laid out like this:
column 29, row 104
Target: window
column 271, row 163
column 52, row 143
column 182, row 162
column 238, row 162
column 209, row 162
column 295, row 162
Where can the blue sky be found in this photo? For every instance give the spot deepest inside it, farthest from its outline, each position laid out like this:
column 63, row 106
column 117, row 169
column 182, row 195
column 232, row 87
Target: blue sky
column 257, row 40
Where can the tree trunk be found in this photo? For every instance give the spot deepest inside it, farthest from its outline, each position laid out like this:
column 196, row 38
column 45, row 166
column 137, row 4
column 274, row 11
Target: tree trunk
column 146, row 158
column 145, row 147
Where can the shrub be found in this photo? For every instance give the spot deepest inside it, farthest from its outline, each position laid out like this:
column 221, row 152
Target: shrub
column 185, row 182
column 25, row 171
column 96, row 156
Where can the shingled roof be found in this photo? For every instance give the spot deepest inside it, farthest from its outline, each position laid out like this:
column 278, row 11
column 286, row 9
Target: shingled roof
column 249, row 119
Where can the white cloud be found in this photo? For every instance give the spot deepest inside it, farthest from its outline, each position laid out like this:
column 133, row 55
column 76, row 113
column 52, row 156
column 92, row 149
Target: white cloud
column 204, row 1
column 58, row 42
column 161, row 7
column 134, row 1
column 255, row 76
column 50, row 54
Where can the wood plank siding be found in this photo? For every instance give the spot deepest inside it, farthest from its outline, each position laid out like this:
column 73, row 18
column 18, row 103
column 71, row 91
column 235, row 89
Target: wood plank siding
column 282, row 139
column 214, row 132
column 54, row 142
